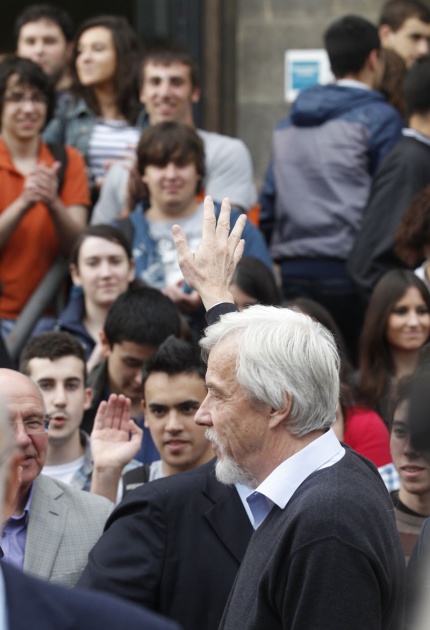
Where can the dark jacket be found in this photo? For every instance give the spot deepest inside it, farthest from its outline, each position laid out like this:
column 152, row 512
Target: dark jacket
column 404, row 173
column 32, row 603
column 174, row 545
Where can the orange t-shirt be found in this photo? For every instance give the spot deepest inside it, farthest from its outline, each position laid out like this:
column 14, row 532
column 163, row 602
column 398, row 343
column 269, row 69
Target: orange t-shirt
column 33, row 247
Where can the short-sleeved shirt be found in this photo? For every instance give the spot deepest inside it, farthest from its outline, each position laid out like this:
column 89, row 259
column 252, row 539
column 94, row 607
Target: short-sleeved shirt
column 33, row 247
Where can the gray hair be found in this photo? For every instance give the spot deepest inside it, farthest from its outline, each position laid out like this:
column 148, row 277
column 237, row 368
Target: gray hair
column 282, row 353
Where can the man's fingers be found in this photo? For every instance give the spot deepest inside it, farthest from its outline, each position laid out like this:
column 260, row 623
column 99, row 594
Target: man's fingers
column 223, row 223
column 209, row 222
column 238, row 253
column 182, row 249
column 100, row 415
column 236, row 233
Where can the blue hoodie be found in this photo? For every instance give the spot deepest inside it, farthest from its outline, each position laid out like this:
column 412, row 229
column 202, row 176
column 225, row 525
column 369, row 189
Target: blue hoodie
column 324, row 156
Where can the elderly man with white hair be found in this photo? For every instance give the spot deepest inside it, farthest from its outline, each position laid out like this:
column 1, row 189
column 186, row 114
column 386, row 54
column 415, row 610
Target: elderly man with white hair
column 325, row 553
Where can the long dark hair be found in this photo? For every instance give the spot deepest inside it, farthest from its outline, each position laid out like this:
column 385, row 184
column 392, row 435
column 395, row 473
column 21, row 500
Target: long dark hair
column 376, row 361
column 128, row 54
column 253, row 277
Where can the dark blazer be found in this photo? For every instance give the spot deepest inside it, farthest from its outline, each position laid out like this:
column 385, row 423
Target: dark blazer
column 174, row 545
column 32, row 603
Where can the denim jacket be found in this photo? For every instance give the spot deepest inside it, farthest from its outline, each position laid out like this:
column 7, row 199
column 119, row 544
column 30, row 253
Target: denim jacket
column 74, row 124
column 148, row 260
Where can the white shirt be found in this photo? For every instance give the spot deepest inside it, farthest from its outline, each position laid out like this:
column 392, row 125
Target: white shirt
column 281, row 484
column 353, row 83
column 3, row 607
column 64, row 472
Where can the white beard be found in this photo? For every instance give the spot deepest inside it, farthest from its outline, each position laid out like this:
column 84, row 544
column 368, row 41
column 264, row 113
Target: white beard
column 227, row 470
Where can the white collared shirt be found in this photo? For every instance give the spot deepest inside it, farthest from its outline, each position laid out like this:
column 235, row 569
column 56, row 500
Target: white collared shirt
column 281, row 484
column 353, row 83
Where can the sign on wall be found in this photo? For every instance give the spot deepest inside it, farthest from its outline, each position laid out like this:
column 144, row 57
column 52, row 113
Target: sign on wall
column 305, row 68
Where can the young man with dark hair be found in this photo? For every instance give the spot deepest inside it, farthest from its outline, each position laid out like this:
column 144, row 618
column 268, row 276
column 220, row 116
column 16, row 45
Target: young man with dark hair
column 412, row 500
column 404, row 173
column 341, row 132
column 170, row 162
column 173, row 387
column 170, row 87
column 38, row 218
column 137, row 323
column 404, row 26
column 44, row 33
column 56, row 362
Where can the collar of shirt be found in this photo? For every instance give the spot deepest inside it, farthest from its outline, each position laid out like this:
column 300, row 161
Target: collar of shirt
column 3, row 607
column 412, row 133
column 244, row 492
column 24, row 513
column 281, row 484
column 352, row 83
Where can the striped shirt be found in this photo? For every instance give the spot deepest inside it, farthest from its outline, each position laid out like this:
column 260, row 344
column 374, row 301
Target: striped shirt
column 111, row 140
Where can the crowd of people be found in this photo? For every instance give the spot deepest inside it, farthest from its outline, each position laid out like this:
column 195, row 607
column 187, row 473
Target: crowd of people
column 213, row 401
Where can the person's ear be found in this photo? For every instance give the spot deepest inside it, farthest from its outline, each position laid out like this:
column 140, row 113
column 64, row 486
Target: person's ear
column 279, row 416
column 88, row 398
column 74, row 273
column 105, row 344
column 374, row 59
column 195, row 95
column 385, row 33
column 132, row 271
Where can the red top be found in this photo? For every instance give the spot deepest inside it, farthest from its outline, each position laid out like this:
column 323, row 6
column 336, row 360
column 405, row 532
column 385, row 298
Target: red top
column 367, row 434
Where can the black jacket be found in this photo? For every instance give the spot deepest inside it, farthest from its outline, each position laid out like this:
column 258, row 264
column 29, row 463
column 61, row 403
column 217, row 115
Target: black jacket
column 175, row 546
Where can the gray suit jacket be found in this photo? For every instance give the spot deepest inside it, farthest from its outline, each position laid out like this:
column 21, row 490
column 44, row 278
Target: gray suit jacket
column 64, row 524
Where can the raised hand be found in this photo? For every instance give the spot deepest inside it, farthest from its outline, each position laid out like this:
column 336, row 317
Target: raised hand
column 115, row 438
column 210, row 269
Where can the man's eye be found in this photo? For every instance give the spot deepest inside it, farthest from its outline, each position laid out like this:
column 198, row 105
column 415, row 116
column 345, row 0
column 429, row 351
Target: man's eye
column 45, row 386
column 191, row 409
column 34, row 423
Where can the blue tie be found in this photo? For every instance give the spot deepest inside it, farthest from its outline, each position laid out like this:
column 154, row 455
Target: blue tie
column 259, row 507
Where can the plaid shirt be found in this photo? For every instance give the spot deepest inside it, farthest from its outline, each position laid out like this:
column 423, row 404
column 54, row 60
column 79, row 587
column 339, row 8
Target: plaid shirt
column 390, row 477
column 82, row 477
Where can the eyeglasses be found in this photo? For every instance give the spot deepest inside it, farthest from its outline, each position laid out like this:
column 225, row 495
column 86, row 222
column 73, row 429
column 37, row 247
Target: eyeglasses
column 19, row 98
column 34, row 426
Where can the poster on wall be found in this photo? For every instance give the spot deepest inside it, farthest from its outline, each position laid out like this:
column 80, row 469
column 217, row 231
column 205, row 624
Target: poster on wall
column 303, row 69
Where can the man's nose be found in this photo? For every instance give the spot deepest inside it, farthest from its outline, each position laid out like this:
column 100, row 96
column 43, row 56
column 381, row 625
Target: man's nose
column 171, row 170
column 59, row 397
column 173, row 424
column 203, row 417
column 21, row 436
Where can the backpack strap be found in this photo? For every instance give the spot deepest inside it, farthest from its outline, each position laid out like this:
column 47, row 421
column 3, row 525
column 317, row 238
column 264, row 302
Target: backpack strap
column 135, row 478
column 59, row 153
